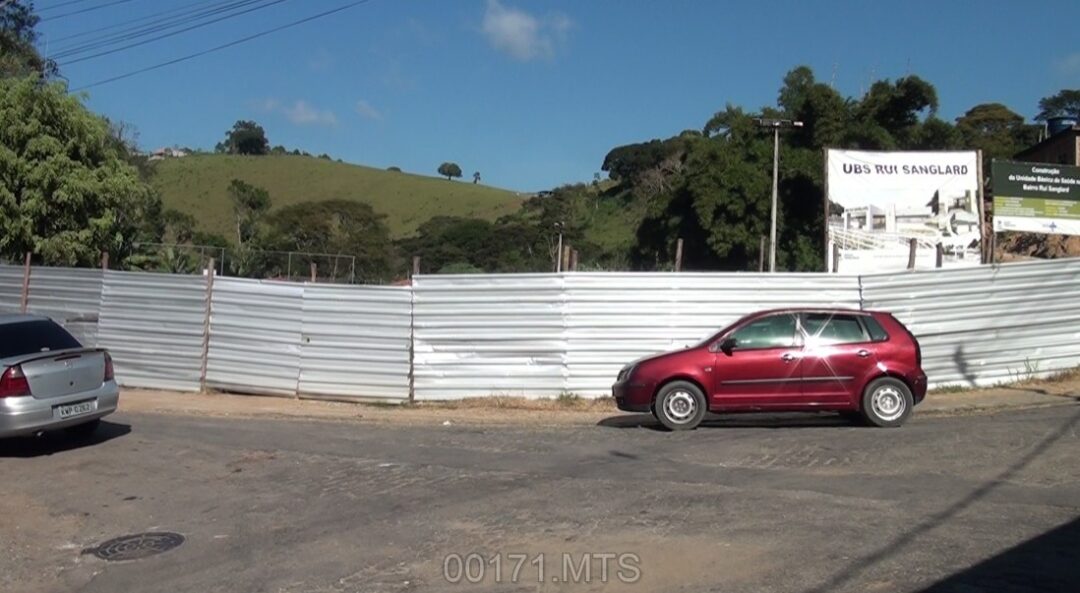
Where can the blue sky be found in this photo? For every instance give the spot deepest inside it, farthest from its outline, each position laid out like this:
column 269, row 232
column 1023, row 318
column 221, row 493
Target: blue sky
column 533, row 94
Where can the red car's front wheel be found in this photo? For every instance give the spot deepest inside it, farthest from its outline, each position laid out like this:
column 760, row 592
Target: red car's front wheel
column 679, row 405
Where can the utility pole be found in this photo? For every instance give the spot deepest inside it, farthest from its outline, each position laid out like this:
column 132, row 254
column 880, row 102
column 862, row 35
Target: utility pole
column 776, row 125
column 558, row 258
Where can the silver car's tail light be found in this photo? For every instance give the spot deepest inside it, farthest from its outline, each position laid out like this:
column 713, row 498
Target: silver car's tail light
column 13, row 383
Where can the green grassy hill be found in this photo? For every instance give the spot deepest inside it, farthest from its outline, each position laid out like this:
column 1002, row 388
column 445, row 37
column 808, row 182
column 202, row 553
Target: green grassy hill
column 197, row 185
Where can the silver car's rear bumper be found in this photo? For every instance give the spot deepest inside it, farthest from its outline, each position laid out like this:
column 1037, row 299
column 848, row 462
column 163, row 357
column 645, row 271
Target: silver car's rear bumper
column 28, row 415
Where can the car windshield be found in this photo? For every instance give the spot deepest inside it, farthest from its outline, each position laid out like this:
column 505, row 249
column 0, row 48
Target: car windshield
column 29, row 337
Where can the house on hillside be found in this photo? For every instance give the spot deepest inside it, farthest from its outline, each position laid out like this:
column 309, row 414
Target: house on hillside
column 164, row 153
column 1061, row 146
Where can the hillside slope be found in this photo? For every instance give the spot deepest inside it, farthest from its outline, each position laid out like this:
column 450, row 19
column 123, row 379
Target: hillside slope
column 197, row 185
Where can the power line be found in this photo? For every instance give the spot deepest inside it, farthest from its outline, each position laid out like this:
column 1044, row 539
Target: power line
column 132, row 21
column 222, row 46
column 92, row 8
column 54, row 6
column 171, row 34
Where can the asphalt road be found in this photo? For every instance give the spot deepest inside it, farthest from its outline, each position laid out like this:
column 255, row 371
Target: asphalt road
column 753, row 504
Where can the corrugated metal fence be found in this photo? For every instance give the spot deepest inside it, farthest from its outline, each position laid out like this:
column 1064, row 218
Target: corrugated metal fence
column 254, row 336
column 153, row 326
column 355, row 342
column 528, row 335
column 989, row 324
column 489, row 334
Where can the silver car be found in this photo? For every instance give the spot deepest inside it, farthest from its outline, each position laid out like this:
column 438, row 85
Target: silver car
column 49, row 381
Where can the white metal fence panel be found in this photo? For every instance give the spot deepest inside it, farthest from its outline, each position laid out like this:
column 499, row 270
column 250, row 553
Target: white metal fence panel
column 255, row 329
column 70, row 296
column 986, row 325
column 355, row 341
column 614, row 318
column 11, row 279
column 153, row 325
column 488, row 335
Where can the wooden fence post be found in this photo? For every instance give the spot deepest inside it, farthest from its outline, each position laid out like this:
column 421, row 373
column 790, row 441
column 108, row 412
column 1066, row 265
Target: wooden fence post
column 913, row 247
column 416, row 265
column 678, row 255
column 104, row 260
column 565, row 258
column 573, row 260
column 25, row 300
column 210, row 269
column 835, row 258
column 761, row 255
column 940, row 256
column 314, row 271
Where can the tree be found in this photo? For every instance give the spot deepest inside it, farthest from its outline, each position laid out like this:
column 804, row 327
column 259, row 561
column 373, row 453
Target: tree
column 250, row 203
column 338, row 227
column 996, row 130
column 18, row 56
column 450, row 170
column 66, row 191
column 1064, row 104
column 476, row 177
column 246, row 137
column 179, row 226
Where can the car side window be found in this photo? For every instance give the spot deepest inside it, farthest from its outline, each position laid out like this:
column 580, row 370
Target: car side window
column 826, row 329
column 877, row 333
column 774, row 331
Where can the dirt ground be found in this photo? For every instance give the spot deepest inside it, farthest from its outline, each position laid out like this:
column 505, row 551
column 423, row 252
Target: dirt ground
column 565, row 411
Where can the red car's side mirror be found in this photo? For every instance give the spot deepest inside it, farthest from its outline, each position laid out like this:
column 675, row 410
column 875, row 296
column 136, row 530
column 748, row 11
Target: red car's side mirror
column 727, row 345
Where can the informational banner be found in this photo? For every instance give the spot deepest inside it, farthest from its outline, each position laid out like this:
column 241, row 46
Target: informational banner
column 889, row 198
column 1036, row 197
column 904, row 181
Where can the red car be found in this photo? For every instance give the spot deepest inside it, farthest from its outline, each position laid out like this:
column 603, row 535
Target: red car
column 856, row 362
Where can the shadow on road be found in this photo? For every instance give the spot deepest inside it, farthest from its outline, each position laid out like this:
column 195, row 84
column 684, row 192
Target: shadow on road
column 794, row 420
column 1061, row 560
column 60, row 441
column 1047, row 563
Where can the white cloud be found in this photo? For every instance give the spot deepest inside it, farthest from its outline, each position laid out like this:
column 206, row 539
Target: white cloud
column 300, row 112
column 367, row 111
column 522, row 35
column 1069, row 65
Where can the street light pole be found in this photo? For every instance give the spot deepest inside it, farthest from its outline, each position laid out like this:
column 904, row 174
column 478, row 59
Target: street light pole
column 775, row 192
column 775, row 124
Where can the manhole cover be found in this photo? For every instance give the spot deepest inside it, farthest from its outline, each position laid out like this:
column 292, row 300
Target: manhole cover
column 136, row 547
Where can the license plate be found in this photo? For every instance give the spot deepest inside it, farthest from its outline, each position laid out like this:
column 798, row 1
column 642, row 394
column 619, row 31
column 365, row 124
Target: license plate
column 72, row 410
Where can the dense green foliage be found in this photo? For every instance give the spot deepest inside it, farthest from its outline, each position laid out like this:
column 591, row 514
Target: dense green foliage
column 337, row 226
column 18, row 57
column 67, row 192
column 1064, row 104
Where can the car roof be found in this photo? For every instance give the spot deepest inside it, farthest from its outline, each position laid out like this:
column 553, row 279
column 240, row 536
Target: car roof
column 813, row 310
column 6, row 318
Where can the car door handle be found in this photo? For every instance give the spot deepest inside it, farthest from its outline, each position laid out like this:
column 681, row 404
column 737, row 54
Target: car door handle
column 863, row 353
column 787, row 357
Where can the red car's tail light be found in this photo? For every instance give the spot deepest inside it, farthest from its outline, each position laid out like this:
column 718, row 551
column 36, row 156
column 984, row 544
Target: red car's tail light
column 109, row 373
column 13, row 383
